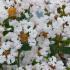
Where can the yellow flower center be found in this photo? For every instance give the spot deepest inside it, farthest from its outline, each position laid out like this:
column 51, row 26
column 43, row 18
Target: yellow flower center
column 11, row 11
column 23, row 37
column 44, row 34
column 6, row 52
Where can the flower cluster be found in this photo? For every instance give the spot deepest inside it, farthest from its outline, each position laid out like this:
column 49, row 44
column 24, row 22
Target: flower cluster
column 39, row 30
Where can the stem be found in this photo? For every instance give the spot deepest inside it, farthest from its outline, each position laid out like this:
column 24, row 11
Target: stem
column 64, row 60
column 2, row 67
column 18, row 58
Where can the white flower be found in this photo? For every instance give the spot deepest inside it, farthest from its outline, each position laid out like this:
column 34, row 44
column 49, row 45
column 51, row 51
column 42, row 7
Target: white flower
column 46, row 42
column 39, row 58
column 60, row 21
column 17, row 44
column 13, row 23
column 60, row 65
column 25, row 4
column 20, row 68
column 68, row 62
column 10, row 59
column 11, row 36
column 67, row 9
column 3, row 14
column 67, row 31
column 31, row 41
column 18, row 29
column 6, row 46
column 40, row 40
column 56, row 2
column 27, row 15
column 42, row 12
column 3, row 11
column 51, row 6
column 37, row 66
column 28, row 26
column 33, row 33
column 44, row 66
column 67, row 19
column 37, row 2
column 13, row 52
column 2, row 59
column 43, row 52
column 1, row 29
column 39, row 13
column 9, row 3
column 29, row 67
column 21, row 6
column 18, row 1
column 53, row 58
column 56, row 24
column 1, row 51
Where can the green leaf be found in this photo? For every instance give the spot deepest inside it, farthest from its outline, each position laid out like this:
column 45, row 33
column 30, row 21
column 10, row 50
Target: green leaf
column 25, row 47
column 49, row 23
column 67, row 68
column 34, row 62
column 0, row 65
column 5, row 32
column 63, row 6
column 16, row 62
column 66, row 42
column 46, row 57
column 54, row 49
column 21, row 17
column 65, row 50
column 6, row 23
column 59, row 10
